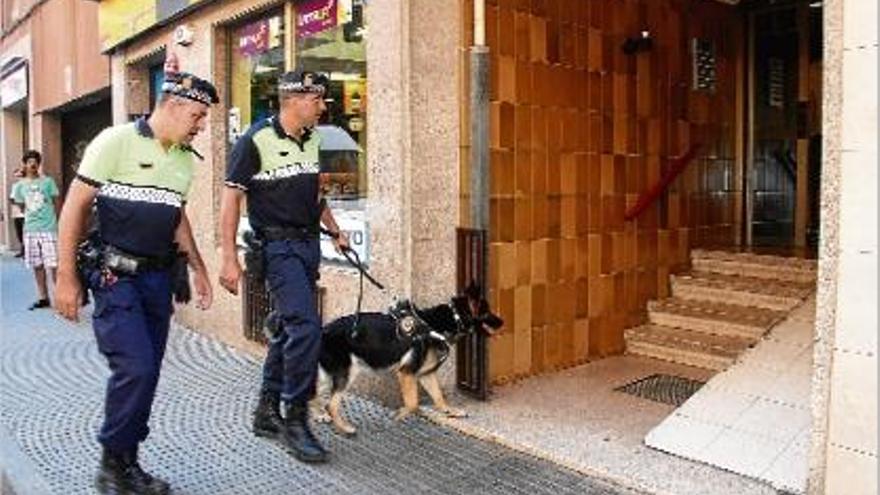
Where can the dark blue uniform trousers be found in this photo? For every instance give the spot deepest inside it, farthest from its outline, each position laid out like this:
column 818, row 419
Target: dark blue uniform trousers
column 291, row 366
column 131, row 321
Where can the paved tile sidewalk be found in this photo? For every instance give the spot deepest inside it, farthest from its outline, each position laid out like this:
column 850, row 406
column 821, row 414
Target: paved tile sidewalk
column 51, row 389
column 753, row 418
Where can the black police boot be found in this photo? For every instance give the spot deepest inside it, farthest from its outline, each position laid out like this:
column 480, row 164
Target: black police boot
column 120, row 474
column 298, row 437
column 267, row 417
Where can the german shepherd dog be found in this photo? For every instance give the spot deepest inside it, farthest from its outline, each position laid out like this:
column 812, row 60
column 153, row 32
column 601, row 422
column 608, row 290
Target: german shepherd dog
column 412, row 342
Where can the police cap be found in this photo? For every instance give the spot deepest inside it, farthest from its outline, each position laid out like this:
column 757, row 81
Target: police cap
column 303, row 81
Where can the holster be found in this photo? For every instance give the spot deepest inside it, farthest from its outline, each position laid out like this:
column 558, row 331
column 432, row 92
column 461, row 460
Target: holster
column 89, row 260
column 180, row 279
column 254, row 257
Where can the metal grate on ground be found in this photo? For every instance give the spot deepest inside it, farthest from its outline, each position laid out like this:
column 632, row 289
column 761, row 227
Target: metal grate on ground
column 51, row 389
column 668, row 389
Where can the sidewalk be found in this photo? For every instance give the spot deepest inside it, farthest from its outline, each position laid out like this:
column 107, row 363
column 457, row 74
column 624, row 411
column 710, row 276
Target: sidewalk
column 51, row 388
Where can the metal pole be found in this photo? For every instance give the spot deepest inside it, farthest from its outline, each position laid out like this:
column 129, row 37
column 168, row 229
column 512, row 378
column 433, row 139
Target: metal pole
column 479, row 187
column 479, row 102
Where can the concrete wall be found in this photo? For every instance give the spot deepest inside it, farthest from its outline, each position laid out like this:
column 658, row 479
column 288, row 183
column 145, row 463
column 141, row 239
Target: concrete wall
column 67, row 53
column 412, row 155
column 844, row 451
column 11, row 128
column 59, row 40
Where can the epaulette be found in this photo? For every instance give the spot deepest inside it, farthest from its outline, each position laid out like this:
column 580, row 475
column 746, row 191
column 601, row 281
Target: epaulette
column 192, row 150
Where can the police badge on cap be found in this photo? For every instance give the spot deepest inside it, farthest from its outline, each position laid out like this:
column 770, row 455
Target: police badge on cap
column 189, row 86
column 300, row 81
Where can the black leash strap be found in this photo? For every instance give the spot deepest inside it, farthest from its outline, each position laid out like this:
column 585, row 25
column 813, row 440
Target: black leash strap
column 356, row 261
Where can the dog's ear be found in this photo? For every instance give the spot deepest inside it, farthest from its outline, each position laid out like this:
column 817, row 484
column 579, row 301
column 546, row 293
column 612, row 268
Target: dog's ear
column 462, row 306
column 473, row 291
column 493, row 321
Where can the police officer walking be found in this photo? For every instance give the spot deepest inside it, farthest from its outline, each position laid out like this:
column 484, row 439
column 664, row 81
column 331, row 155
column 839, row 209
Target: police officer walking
column 275, row 165
column 138, row 176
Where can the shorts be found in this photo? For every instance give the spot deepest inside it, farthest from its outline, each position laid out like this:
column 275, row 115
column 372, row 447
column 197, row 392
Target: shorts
column 40, row 249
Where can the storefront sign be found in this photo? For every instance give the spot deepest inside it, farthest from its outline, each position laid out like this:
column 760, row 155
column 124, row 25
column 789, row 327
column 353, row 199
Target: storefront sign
column 120, row 20
column 253, row 39
column 354, row 224
column 315, row 16
column 14, row 87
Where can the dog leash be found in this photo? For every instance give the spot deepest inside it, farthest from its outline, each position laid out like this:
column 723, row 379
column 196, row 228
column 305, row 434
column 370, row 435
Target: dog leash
column 354, row 260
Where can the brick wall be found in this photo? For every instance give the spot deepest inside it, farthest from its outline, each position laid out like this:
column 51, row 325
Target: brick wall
column 578, row 130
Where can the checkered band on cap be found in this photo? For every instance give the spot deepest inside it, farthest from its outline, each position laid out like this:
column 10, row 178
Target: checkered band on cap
column 303, row 82
column 191, row 87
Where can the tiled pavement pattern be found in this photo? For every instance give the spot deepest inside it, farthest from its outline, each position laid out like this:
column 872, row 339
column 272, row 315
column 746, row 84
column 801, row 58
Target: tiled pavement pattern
column 51, row 388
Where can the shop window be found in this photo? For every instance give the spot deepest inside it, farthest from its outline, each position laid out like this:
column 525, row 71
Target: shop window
column 256, row 62
column 330, row 38
column 327, row 36
column 157, row 77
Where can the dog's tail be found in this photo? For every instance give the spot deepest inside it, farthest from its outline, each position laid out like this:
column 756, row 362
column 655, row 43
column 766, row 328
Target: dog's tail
column 335, row 346
column 272, row 325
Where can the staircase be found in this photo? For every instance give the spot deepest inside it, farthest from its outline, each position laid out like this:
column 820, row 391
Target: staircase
column 722, row 308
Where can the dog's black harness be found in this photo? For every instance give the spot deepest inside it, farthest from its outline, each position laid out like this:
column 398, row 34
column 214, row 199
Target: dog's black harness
column 458, row 321
column 413, row 330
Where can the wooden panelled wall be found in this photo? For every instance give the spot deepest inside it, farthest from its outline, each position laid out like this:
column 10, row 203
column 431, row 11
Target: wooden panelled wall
column 578, row 130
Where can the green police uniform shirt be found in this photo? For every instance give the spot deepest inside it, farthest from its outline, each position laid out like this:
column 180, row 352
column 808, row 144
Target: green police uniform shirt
column 279, row 174
column 141, row 187
column 38, row 196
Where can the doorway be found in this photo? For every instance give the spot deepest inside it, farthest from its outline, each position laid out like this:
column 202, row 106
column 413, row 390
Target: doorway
column 78, row 127
column 784, row 130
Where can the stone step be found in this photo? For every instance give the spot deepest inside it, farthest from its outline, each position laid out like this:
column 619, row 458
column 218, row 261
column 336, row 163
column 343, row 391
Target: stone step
column 702, row 350
column 744, row 291
column 754, row 265
column 713, row 317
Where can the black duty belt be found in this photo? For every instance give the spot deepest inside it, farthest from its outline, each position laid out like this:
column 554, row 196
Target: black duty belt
column 118, row 260
column 288, row 233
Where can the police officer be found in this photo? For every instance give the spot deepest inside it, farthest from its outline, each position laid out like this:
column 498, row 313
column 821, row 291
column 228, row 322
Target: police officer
column 275, row 165
column 138, row 175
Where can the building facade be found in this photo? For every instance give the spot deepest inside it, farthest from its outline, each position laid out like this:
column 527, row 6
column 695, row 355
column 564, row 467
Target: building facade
column 590, row 105
column 393, row 120
column 55, row 89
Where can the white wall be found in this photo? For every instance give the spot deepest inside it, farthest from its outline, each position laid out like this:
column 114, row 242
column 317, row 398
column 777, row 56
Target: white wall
column 850, row 445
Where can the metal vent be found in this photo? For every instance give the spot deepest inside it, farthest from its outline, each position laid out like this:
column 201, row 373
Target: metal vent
column 668, row 389
column 705, row 65
column 257, row 303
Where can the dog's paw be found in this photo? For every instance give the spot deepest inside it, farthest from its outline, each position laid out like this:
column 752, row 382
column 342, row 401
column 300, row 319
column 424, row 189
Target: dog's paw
column 321, row 416
column 454, row 412
column 403, row 413
column 345, row 429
